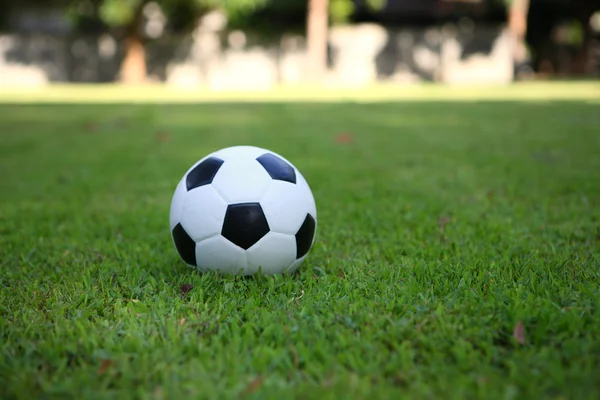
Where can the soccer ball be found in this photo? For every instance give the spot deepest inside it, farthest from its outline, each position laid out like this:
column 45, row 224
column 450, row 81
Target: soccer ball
column 243, row 209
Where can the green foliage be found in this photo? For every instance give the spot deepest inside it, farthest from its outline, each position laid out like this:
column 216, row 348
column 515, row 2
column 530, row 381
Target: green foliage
column 376, row 5
column 340, row 10
column 119, row 13
column 237, row 10
column 272, row 18
column 442, row 225
column 573, row 32
column 233, row 6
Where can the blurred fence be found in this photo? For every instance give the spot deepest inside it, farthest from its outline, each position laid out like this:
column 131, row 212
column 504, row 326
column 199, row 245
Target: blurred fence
column 359, row 55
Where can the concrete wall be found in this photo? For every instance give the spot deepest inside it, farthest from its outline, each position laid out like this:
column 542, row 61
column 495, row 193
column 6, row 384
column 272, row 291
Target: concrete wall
column 359, row 55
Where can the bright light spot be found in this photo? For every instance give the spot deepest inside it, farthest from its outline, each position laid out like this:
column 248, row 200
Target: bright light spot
column 107, row 46
column 237, row 39
column 156, row 20
column 154, row 28
column 214, row 21
column 595, row 21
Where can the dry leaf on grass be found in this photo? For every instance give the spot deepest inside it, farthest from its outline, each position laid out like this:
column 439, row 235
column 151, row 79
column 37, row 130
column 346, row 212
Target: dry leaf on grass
column 344, row 138
column 185, row 288
column 296, row 357
column 442, row 222
column 103, row 367
column 254, row 385
column 519, row 332
column 162, row 136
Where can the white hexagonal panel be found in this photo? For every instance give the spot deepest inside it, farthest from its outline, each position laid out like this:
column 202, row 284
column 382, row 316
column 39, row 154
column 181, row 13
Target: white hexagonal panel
column 273, row 254
column 241, row 180
column 202, row 213
column 285, row 205
column 219, row 254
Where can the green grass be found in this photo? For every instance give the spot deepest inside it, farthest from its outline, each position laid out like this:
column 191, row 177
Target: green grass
column 442, row 226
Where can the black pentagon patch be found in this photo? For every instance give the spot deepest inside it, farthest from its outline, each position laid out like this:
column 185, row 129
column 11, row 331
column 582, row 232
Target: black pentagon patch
column 305, row 236
column 277, row 168
column 203, row 173
column 186, row 247
column 244, row 224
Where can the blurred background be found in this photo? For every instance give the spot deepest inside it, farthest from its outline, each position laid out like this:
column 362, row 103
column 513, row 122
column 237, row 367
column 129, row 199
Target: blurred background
column 259, row 44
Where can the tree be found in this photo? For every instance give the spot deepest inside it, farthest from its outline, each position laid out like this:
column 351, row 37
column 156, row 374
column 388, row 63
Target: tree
column 309, row 17
column 316, row 37
column 125, row 18
column 322, row 13
column 517, row 11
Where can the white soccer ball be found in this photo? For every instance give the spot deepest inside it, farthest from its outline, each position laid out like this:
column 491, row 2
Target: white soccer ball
column 243, row 209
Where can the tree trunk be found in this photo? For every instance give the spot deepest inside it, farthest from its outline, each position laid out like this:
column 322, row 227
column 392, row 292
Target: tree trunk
column 317, row 27
column 517, row 24
column 133, row 67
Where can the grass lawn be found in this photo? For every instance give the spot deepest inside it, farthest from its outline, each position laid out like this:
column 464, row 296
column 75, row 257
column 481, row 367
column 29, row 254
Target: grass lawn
column 457, row 255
